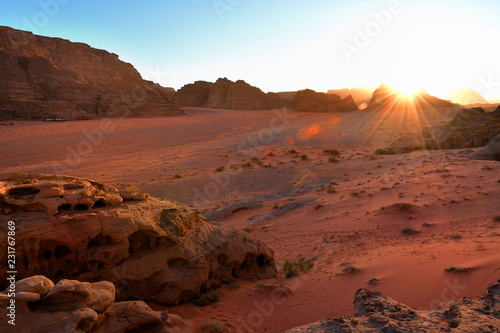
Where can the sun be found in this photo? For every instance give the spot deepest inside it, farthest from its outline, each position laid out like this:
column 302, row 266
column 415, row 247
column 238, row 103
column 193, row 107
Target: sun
column 406, row 89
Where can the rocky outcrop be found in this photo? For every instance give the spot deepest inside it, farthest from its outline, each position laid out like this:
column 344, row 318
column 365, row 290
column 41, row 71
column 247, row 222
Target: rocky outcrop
column 76, row 228
column 375, row 312
column 388, row 98
column 73, row 306
column 43, row 77
column 359, row 95
column 226, row 94
column 491, row 152
column 311, row 101
column 469, row 128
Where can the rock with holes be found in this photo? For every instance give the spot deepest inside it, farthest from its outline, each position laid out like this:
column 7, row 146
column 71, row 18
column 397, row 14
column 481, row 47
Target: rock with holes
column 490, row 153
column 73, row 306
column 76, row 228
column 375, row 312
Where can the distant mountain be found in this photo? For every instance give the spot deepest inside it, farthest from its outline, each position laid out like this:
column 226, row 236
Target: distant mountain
column 311, row 101
column 43, row 77
column 226, row 94
column 466, row 96
column 359, row 95
column 386, row 97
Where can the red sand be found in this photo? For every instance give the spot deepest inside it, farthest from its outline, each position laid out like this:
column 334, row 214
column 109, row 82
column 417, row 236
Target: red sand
column 458, row 198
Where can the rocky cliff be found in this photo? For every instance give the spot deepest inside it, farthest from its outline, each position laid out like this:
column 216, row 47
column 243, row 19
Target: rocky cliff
column 375, row 312
column 42, row 77
column 149, row 249
column 388, row 98
column 311, row 101
column 226, row 94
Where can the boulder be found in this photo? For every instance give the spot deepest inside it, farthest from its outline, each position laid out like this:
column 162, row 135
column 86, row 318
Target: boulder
column 375, row 312
column 80, row 229
column 70, row 312
column 43, row 77
column 490, row 152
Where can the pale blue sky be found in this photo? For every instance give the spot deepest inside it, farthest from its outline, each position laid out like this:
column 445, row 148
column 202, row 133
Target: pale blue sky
column 282, row 45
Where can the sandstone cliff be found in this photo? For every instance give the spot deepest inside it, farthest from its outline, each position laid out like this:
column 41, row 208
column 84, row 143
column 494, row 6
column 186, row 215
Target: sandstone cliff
column 42, row 77
column 387, row 98
column 149, row 249
column 226, row 94
column 311, row 101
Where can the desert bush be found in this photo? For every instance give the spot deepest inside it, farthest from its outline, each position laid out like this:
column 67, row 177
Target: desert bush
column 334, row 152
column 350, row 269
column 206, row 299
column 177, row 176
column 496, row 218
column 408, row 231
column 293, row 268
column 333, row 160
column 214, row 327
column 456, row 269
column 373, row 281
column 219, row 169
column 388, row 151
column 303, row 157
column 292, row 151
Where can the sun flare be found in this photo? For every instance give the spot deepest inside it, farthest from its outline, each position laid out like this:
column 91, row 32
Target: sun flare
column 407, row 89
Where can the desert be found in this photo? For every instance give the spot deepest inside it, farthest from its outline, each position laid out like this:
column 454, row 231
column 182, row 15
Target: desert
column 219, row 206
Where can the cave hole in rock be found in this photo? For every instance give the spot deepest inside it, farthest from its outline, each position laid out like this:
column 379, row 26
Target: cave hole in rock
column 100, row 267
column 261, row 260
column 26, row 262
column 47, row 254
column 81, row 207
column 139, row 241
column 59, row 274
column 22, row 192
column 98, row 241
column 64, row 207
column 99, row 204
column 61, row 251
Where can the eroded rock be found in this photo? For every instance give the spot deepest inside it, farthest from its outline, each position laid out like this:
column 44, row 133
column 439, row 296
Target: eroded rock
column 76, row 228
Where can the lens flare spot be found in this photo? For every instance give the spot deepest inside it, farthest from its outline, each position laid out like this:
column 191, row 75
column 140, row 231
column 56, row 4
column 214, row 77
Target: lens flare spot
column 308, row 133
column 362, row 106
column 334, row 121
column 290, row 141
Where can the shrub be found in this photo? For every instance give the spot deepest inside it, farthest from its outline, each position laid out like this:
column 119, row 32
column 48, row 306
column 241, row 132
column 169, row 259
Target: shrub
column 206, row 299
column 334, row 152
column 496, row 218
column 408, row 231
column 219, row 169
column 333, row 160
column 350, row 269
column 303, row 157
column 292, row 151
column 456, row 269
column 214, row 327
column 234, row 285
column 373, row 281
column 293, row 268
column 388, row 151
column 177, row 176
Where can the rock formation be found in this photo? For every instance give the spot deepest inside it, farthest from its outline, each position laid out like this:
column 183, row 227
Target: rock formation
column 359, row 95
column 76, row 228
column 226, row 94
column 375, row 312
column 490, row 152
column 73, row 306
column 43, row 77
column 387, row 98
column 311, row 101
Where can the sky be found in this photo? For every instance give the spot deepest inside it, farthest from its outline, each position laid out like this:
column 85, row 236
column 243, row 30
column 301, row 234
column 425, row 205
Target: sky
column 284, row 45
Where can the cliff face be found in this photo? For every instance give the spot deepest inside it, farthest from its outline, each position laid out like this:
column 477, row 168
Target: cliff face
column 387, row 98
column 311, row 101
column 226, row 94
column 44, row 77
